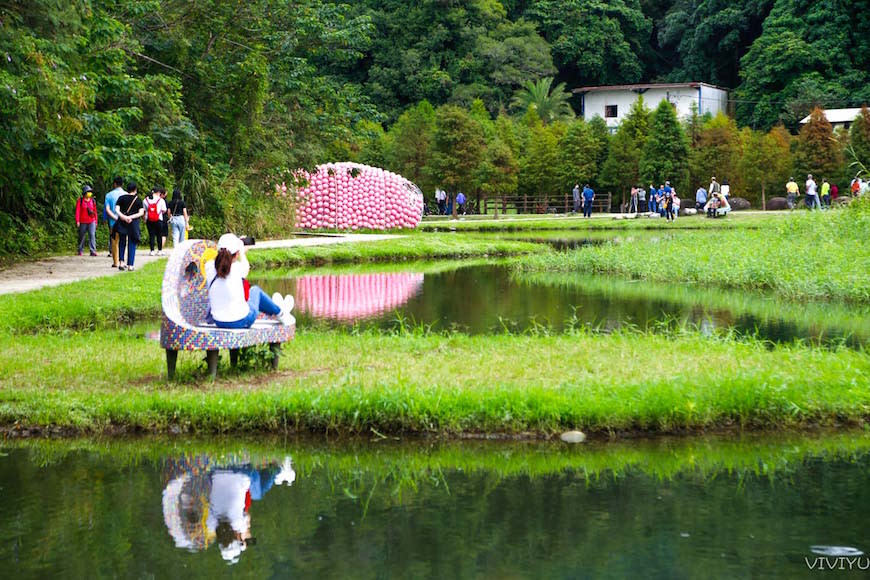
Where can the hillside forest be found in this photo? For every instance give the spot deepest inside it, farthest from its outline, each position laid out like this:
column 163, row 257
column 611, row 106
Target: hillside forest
column 223, row 99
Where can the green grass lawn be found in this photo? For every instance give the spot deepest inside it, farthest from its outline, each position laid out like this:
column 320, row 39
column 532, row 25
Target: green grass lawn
column 332, row 381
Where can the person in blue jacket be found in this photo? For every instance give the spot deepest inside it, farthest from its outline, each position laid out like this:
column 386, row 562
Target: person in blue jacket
column 588, row 197
column 653, row 203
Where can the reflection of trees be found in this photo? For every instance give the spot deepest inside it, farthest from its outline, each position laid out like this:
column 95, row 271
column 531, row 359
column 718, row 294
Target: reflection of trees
column 456, row 510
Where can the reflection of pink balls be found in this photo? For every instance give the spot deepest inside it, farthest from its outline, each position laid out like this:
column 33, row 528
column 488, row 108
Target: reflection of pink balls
column 372, row 199
column 355, row 296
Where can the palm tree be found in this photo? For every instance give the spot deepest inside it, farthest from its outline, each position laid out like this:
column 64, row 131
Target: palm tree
column 552, row 105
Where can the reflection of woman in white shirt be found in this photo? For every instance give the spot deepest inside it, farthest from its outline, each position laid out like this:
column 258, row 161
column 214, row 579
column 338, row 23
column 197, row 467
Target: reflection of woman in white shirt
column 228, row 516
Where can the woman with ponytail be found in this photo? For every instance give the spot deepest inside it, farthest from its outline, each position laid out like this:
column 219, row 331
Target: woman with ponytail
column 227, row 289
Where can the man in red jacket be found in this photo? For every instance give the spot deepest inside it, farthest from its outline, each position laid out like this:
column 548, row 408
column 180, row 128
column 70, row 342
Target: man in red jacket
column 86, row 219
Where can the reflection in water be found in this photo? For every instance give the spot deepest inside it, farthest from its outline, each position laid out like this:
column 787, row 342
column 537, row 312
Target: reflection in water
column 353, row 297
column 491, row 298
column 728, row 507
column 206, row 500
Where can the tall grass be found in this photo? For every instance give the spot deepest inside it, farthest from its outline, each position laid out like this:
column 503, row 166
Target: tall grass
column 433, row 383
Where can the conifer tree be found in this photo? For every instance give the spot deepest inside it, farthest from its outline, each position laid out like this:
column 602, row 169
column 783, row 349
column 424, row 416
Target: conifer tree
column 621, row 169
column 578, row 150
column 817, row 151
column 859, row 141
column 666, row 154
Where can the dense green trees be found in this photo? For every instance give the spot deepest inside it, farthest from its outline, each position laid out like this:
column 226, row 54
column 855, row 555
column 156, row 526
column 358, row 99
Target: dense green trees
column 817, row 151
column 224, row 99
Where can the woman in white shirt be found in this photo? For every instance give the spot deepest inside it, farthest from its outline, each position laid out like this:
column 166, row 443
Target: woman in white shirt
column 226, row 289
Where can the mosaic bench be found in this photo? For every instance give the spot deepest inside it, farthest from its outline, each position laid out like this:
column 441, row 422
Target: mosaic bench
column 185, row 314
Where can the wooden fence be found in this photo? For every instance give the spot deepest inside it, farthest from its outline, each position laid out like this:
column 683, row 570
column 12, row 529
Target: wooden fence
column 538, row 204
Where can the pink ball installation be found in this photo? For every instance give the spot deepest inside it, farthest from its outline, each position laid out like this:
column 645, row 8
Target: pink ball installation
column 352, row 196
column 355, row 296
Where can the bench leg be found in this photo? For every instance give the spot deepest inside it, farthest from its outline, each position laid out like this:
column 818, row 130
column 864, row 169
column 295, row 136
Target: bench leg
column 275, row 347
column 234, row 357
column 171, row 359
column 211, row 357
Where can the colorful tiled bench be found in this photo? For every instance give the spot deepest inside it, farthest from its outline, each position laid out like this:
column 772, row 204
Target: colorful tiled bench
column 185, row 313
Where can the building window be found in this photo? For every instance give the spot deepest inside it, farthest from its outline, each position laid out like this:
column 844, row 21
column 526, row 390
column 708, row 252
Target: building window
column 609, row 111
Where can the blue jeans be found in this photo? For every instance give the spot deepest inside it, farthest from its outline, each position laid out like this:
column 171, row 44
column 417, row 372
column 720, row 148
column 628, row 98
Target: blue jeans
column 653, row 207
column 587, row 208
column 257, row 302
column 125, row 242
column 177, row 224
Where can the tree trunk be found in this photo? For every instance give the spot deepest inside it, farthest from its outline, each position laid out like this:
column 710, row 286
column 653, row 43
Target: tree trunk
column 763, row 199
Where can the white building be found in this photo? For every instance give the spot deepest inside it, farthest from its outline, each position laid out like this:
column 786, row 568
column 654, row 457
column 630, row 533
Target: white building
column 613, row 102
column 837, row 117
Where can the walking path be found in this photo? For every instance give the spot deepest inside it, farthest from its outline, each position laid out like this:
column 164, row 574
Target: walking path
column 62, row 269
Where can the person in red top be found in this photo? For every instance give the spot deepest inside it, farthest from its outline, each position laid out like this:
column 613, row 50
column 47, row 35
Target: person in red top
column 86, row 219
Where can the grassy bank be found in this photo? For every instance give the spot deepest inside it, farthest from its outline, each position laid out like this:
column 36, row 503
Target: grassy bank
column 414, row 246
column 448, row 384
column 804, row 256
column 400, row 463
column 513, row 223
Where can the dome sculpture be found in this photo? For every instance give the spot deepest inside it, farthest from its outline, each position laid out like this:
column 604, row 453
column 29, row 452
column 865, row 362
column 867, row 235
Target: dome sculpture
column 352, row 196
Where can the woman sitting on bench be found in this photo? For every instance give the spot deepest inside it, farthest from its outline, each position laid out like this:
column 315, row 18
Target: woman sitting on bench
column 234, row 303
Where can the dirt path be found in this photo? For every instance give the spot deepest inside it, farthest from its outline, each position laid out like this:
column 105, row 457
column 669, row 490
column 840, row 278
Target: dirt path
column 62, row 269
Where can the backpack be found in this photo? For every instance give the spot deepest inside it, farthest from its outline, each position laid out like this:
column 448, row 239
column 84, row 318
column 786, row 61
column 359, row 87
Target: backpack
column 153, row 215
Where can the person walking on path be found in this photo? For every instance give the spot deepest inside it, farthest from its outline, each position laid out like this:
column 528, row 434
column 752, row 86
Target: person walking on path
column 460, row 203
column 812, row 193
column 588, row 198
column 112, row 217
column 86, row 220
column 641, row 198
column 155, row 207
column 164, row 223
column 575, row 194
column 441, row 200
column 791, row 192
column 700, row 198
column 178, row 217
column 826, row 194
column 130, row 210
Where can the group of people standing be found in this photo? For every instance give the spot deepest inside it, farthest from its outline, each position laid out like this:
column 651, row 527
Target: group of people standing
column 815, row 198
column 663, row 200
column 123, row 211
column 445, row 202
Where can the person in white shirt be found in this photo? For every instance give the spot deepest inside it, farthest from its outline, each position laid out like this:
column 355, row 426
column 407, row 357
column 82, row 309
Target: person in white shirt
column 441, row 199
column 225, row 276
column 812, row 194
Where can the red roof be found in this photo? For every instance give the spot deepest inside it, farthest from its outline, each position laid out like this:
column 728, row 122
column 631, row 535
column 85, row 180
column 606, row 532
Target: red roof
column 693, row 85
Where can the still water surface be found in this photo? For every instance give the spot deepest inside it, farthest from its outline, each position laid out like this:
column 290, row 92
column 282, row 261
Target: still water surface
column 700, row 508
column 492, row 298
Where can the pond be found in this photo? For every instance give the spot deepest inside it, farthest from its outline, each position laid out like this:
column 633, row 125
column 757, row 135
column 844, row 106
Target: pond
column 489, row 297
column 745, row 506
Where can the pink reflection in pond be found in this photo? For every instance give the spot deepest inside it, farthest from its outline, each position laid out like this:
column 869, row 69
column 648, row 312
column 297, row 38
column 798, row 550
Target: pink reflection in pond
column 355, row 296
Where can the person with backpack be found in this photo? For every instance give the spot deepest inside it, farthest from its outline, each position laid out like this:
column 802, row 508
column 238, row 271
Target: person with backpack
column 178, row 218
column 130, row 210
column 86, row 220
column 155, row 207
